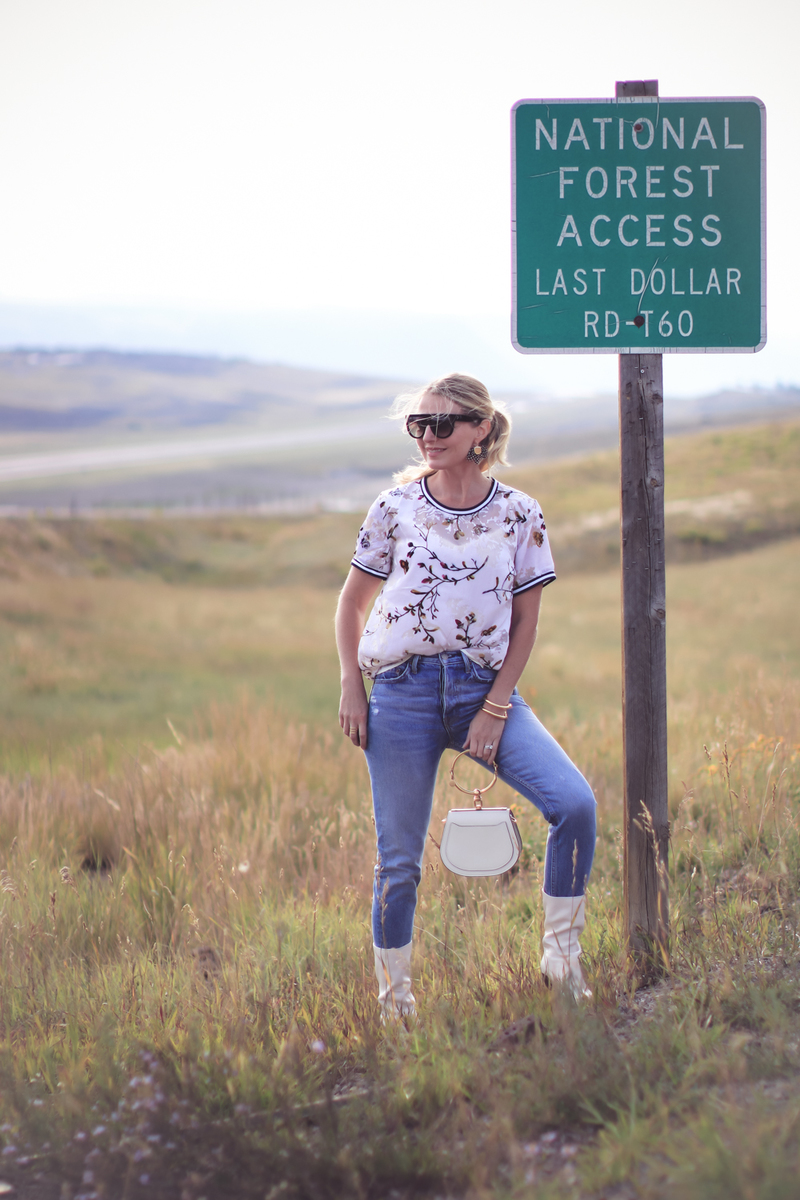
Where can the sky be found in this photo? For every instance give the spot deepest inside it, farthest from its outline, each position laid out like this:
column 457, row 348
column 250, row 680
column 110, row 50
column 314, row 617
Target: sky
column 327, row 182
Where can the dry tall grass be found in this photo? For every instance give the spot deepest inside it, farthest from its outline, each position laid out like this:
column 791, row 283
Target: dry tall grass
column 187, row 1005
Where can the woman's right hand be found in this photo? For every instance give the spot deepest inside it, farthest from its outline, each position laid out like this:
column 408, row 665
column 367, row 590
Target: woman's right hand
column 357, row 594
column 353, row 709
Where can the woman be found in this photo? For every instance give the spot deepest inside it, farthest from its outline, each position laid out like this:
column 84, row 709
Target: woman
column 460, row 561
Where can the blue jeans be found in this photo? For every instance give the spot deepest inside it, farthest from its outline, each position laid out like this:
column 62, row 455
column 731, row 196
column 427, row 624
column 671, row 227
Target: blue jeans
column 416, row 712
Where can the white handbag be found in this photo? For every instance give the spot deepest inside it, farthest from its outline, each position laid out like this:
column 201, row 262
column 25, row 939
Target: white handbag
column 479, row 841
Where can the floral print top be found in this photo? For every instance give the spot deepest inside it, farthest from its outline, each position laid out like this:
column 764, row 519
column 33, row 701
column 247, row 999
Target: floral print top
column 450, row 573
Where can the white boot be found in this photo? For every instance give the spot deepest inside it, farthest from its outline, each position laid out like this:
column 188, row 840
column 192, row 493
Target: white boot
column 393, row 969
column 564, row 919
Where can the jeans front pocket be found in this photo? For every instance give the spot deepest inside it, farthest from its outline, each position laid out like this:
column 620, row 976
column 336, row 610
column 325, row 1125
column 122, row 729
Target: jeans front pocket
column 393, row 674
column 484, row 674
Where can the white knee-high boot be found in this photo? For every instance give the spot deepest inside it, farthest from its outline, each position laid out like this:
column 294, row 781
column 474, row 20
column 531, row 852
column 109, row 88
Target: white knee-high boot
column 393, row 969
column 564, row 919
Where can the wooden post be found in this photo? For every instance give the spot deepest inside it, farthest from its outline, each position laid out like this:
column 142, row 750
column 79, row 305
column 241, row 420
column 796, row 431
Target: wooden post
column 644, row 665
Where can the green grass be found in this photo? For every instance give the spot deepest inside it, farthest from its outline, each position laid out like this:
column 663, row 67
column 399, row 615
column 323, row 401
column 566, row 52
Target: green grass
column 231, row 552
column 724, row 492
column 764, row 458
column 114, row 658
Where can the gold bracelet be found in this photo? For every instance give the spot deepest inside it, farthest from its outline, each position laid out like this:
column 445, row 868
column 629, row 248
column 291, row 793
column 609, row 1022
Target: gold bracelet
column 494, row 704
column 497, row 716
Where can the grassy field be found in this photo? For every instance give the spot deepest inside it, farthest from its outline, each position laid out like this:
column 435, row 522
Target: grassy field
column 114, row 658
column 186, row 994
column 724, row 491
column 109, row 627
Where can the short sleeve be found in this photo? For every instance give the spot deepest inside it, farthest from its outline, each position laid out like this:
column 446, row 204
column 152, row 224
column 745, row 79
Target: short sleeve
column 375, row 543
column 533, row 562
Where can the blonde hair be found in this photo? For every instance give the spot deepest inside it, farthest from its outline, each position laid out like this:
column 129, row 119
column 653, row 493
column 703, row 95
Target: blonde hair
column 472, row 397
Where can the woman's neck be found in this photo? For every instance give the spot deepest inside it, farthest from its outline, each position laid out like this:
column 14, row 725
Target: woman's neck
column 459, row 489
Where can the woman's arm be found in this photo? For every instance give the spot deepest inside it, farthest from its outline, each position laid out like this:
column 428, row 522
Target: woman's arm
column 357, row 595
column 485, row 730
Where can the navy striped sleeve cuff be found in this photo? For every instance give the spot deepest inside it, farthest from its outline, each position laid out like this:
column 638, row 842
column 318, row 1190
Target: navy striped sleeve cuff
column 541, row 580
column 370, row 570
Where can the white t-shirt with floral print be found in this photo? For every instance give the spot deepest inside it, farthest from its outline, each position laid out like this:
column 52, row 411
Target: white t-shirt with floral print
column 450, row 573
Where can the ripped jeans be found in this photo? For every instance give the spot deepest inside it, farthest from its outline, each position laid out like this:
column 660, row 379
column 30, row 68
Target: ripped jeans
column 416, row 712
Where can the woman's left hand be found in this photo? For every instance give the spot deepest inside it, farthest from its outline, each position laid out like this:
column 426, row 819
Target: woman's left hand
column 483, row 738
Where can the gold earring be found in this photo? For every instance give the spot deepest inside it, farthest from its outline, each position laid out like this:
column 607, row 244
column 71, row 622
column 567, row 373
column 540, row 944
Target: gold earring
column 475, row 453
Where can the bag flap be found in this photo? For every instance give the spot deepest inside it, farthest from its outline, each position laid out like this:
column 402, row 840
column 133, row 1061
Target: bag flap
column 478, row 842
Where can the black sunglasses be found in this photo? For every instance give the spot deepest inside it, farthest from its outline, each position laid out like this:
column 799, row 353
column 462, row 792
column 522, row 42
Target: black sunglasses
column 442, row 424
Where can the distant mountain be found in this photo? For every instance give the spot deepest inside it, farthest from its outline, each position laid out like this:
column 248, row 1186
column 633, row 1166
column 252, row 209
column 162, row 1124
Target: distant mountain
column 56, row 390
column 52, row 390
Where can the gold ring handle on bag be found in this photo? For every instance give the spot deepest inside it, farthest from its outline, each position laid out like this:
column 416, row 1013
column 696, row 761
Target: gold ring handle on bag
column 476, row 793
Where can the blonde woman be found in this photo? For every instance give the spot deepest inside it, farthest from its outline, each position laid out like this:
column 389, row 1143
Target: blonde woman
column 460, row 562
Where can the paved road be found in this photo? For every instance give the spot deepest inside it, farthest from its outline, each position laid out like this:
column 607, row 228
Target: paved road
column 104, row 458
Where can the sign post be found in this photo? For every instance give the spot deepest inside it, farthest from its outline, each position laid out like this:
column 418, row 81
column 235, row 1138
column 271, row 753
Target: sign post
column 644, row 648
column 639, row 230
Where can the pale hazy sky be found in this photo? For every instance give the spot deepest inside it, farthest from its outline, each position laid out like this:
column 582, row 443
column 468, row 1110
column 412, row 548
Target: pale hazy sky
column 247, row 156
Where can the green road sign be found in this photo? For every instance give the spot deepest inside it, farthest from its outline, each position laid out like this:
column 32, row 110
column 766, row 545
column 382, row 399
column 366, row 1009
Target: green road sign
column 639, row 226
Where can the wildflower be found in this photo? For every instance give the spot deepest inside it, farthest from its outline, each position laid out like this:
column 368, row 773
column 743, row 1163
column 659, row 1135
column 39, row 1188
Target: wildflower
column 68, row 879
